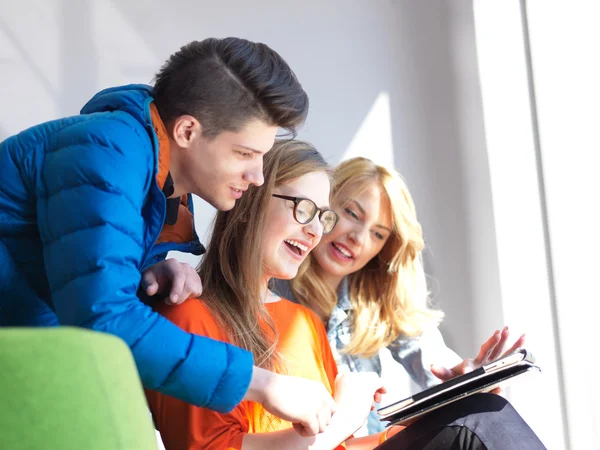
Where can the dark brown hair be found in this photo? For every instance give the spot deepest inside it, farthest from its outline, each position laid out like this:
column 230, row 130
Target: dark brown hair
column 224, row 83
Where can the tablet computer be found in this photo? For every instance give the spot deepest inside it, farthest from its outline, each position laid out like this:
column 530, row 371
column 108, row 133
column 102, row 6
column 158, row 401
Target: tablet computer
column 483, row 379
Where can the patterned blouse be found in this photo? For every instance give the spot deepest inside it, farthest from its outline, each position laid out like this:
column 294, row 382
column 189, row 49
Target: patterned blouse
column 403, row 365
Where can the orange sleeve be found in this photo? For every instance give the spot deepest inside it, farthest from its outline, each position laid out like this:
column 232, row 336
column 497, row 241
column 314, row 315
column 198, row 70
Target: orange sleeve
column 184, row 426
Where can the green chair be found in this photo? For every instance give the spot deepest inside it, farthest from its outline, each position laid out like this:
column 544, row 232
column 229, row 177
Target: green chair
column 70, row 389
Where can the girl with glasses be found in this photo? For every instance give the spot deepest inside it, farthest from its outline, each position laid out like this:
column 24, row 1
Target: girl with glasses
column 268, row 234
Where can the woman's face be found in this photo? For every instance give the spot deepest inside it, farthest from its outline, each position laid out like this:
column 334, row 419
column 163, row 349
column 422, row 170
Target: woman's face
column 363, row 228
column 286, row 241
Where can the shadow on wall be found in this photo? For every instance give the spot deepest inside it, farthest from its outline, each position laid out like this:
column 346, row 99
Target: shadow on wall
column 50, row 70
column 437, row 115
column 28, row 59
column 78, row 49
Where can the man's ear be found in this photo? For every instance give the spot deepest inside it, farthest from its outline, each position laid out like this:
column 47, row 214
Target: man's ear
column 186, row 129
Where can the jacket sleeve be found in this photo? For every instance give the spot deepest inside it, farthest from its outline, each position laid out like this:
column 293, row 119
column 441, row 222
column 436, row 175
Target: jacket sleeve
column 92, row 190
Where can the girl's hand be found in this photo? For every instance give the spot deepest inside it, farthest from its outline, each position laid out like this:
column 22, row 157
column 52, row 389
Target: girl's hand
column 491, row 350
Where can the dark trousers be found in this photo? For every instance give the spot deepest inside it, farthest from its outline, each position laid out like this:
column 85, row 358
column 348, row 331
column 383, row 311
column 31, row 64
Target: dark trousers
column 478, row 422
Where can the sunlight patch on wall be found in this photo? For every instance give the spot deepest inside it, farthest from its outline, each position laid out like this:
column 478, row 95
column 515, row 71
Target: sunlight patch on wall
column 518, row 216
column 373, row 139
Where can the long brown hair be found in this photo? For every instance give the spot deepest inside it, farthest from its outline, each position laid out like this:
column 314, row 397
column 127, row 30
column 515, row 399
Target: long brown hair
column 231, row 270
column 389, row 295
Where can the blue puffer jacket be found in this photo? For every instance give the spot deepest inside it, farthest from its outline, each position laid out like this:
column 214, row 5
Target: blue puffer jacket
column 80, row 210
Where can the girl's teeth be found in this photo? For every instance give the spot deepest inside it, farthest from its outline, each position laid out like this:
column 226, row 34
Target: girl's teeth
column 297, row 244
column 343, row 251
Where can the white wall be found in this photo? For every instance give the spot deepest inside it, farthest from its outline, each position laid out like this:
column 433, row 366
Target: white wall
column 413, row 62
column 540, row 95
column 567, row 88
column 517, row 200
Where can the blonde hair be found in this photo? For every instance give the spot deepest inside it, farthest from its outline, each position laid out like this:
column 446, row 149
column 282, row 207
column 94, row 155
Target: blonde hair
column 229, row 271
column 389, row 294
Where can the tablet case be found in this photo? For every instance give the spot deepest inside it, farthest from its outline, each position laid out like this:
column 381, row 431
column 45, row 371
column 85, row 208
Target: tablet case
column 483, row 379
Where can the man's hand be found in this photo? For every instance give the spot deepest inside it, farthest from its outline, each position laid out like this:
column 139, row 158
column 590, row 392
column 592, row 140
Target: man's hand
column 491, row 350
column 305, row 403
column 180, row 280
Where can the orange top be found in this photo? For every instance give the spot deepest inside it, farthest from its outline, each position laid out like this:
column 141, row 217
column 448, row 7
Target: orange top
column 183, row 229
column 303, row 345
column 164, row 146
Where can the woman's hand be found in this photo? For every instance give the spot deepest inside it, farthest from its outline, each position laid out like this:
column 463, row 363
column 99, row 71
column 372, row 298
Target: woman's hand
column 491, row 350
column 305, row 403
column 355, row 393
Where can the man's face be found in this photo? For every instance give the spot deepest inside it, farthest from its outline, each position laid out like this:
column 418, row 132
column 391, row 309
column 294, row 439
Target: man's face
column 219, row 170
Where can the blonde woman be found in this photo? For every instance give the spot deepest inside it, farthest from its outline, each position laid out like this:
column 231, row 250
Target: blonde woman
column 366, row 282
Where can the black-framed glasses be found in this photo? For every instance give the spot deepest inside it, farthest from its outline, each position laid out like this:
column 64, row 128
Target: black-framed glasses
column 305, row 210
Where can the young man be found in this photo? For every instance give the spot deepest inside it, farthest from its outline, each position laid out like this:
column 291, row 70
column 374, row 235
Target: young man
column 89, row 203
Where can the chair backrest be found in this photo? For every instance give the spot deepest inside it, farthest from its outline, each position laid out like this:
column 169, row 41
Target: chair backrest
column 68, row 388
